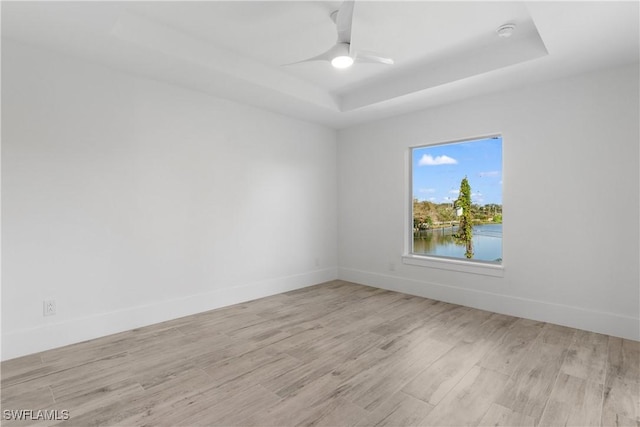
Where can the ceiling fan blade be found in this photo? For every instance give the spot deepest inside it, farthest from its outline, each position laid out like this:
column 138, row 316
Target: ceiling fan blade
column 344, row 21
column 326, row 56
column 372, row 58
column 339, row 49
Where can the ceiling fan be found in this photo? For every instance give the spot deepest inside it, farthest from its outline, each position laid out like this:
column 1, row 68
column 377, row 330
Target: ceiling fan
column 342, row 55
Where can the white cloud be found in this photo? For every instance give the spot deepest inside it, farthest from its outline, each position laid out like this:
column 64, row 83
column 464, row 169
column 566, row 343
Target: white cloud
column 456, row 192
column 428, row 160
column 432, row 199
column 427, row 190
column 489, row 174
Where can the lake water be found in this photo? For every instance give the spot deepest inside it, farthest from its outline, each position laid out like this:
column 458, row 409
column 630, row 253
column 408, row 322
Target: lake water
column 487, row 243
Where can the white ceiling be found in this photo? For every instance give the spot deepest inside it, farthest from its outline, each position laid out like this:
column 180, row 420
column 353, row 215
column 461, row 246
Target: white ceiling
column 443, row 51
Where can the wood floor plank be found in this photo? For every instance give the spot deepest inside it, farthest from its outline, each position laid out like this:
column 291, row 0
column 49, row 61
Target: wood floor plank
column 508, row 353
column 77, row 374
column 256, row 367
column 264, row 332
column 337, row 354
column 128, row 341
column 621, row 402
column 305, row 405
column 398, row 305
column 86, row 402
column 530, row 385
column 227, row 324
column 222, row 349
column 405, row 318
column 148, row 405
column 439, row 378
column 12, row 367
column 219, row 406
column 374, row 386
column 401, row 409
column 341, row 413
column 83, row 385
column 556, row 335
column 339, row 347
column 25, row 396
column 587, row 357
column 454, row 325
column 623, row 359
column 442, row 376
column 573, row 402
column 469, row 399
column 27, row 374
column 498, row 415
column 153, row 373
column 290, row 382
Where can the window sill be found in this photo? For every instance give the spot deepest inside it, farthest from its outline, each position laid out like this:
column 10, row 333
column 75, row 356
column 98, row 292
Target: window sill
column 486, row 269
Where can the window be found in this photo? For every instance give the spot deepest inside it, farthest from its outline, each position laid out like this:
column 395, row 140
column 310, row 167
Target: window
column 457, row 201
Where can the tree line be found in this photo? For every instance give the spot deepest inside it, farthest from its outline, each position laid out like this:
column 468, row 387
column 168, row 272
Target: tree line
column 431, row 215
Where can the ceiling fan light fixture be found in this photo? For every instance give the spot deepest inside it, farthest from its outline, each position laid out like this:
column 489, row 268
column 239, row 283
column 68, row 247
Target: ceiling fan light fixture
column 342, row 62
column 341, row 55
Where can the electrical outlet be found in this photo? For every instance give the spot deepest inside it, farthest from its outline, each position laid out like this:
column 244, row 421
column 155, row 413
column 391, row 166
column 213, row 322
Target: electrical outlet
column 49, row 307
column 392, row 266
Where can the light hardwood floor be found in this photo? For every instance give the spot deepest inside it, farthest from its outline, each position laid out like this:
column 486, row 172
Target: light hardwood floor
column 336, row 354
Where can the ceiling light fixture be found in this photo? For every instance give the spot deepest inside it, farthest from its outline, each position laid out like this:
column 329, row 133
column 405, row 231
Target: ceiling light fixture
column 340, row 57
column 342, row 62
column 506, row 30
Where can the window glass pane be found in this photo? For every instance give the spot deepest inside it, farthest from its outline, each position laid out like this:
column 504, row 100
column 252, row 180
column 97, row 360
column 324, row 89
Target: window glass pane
column 457, row 200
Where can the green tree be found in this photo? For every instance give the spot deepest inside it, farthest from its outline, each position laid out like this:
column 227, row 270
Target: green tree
column 465, row 229
column 445, row 213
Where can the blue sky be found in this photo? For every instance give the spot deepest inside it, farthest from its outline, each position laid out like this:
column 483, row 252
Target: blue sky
column 438, row 170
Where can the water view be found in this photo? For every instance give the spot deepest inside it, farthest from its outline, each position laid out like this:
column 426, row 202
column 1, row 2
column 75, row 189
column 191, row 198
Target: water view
column 457, row 199
column 487, row 242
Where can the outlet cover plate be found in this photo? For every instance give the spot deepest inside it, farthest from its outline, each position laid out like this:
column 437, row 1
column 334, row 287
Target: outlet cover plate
column 49, row 307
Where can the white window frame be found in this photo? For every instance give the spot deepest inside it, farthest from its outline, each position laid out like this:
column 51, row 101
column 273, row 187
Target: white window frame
column 485, row 268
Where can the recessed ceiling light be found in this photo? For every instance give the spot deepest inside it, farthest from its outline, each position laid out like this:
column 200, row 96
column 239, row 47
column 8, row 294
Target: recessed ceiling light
column 506, row 30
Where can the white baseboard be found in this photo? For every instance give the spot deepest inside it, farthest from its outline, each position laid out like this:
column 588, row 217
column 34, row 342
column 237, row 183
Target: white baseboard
column 575, row 317
column 28, row 341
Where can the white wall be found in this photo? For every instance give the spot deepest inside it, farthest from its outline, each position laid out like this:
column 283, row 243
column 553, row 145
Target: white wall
column 131, row 201
column 571, row 202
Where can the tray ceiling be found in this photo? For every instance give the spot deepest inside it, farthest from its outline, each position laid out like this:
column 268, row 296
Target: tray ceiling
column 443, row 51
